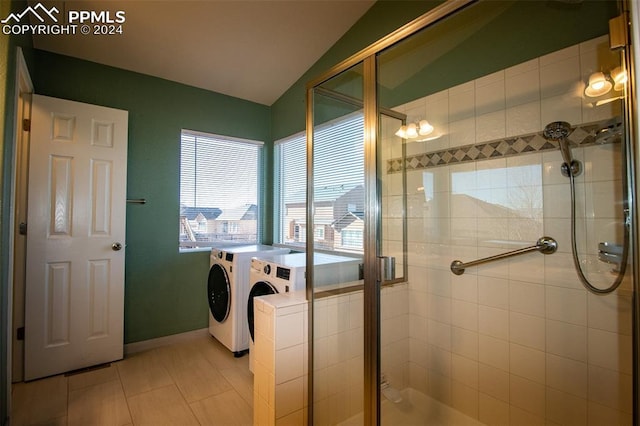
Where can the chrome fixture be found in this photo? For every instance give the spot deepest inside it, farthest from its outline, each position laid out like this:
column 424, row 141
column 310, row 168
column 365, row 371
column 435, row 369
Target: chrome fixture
column 558, row 132
column 611, row 253
column 387, row 268
column 389, row 392
column 611, row 133
column 545, row 245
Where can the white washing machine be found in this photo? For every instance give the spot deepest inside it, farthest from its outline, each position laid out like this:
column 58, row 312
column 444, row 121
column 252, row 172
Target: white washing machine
column 286, row 272
column 227, row 292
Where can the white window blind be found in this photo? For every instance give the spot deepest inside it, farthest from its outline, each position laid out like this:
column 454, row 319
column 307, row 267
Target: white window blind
column 218, row 189
column 338, row 183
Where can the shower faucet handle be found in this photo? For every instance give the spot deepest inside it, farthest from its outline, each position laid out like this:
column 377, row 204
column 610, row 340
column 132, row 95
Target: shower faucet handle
column 627, row 217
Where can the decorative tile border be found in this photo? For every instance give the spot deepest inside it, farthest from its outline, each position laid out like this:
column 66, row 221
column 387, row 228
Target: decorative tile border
column 582, row 135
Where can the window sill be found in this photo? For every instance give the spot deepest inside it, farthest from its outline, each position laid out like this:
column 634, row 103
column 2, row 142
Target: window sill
column 193, row 249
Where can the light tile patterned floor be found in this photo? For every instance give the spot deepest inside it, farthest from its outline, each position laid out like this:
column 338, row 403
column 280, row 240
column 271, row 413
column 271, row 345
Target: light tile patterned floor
column 194, row 382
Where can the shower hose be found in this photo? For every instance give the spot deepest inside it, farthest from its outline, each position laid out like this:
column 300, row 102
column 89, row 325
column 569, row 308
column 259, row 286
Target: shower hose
column 625, row 250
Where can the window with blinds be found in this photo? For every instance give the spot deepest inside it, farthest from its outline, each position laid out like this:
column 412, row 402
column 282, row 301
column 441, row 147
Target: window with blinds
column 338, row 186
column 218, row 189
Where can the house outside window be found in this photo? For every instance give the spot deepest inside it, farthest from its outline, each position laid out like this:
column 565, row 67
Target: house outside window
column 218, row 189
column 352, row 238
column 339, row 196
column 202, row 222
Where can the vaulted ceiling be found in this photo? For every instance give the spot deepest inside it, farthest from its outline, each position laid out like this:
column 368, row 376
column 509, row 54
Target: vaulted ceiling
column 250, row 49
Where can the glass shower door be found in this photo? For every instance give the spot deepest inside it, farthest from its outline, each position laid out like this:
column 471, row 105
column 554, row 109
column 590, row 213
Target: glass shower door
column 392, row 263
column 335, row 248
column 338, row 221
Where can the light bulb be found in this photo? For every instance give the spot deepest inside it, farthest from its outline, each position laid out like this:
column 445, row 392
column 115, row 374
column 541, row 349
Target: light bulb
column 424, row 128
column 402, row 132
column 412, row 131
column 598, row 85
column 619, row 76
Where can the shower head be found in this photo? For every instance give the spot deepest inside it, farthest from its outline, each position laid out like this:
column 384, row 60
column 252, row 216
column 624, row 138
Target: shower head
column 558, row 131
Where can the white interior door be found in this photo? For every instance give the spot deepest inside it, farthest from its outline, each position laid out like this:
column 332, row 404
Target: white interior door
column 74, row 300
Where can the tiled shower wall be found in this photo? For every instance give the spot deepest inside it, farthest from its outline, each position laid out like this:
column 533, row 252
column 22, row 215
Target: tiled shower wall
column 518, row 341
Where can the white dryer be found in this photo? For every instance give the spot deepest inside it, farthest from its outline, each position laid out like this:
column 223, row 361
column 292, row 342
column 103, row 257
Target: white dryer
column 227, row 292
column 285, row 273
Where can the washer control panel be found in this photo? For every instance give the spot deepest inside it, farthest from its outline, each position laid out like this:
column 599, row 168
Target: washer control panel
column 260, row 267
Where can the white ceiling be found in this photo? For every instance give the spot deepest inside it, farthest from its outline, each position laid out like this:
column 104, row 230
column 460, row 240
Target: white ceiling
column 250, row 49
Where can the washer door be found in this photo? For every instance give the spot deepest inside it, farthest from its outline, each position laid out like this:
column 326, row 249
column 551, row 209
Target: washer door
column 219, row 293
column 261, row 288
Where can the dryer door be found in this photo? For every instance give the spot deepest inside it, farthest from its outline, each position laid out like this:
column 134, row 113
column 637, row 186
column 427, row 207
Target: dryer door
column 219, row 293
column 261, row 288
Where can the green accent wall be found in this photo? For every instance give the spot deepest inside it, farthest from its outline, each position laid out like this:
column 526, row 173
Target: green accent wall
column 498, row 34
column 384, row 17
column 484, row 38
column 165, row 291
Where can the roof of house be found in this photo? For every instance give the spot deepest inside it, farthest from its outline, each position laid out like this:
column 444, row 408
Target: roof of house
column 192, row 212
column 324, row 193
column 246, row 212
column 346, row 220
column 350, row 201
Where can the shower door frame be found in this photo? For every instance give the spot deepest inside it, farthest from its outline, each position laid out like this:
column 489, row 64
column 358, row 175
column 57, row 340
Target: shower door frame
column 368, row 57
column 632, row 133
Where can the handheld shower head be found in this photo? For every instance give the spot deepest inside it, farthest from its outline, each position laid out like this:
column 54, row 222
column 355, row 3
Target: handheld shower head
column 558, row 131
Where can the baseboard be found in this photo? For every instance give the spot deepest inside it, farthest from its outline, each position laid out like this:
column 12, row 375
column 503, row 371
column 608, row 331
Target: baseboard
column 144, row 345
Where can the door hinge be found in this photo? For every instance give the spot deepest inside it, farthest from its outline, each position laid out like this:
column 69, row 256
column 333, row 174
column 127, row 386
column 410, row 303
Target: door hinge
column 26, row 125
column 20, row 333
column 619, row 32
column 22, row 228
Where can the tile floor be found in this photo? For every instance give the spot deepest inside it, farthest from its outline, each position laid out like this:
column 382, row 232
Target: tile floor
column 416, row 408
column 193, row 382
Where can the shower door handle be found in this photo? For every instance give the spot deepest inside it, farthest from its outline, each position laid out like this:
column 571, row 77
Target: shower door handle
column 386, row 268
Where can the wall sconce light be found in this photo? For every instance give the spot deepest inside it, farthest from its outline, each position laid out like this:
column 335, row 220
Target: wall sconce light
column 600, row 84
column 415, row 130
column 619, row 76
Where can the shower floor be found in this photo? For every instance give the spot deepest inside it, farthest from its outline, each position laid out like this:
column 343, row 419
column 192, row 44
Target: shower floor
column 417, row 408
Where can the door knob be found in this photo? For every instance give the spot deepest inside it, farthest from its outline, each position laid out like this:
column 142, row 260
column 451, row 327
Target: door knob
column 116, row 246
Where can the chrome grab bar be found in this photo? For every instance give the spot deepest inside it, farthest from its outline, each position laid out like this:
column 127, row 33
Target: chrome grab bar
column 545, row 245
